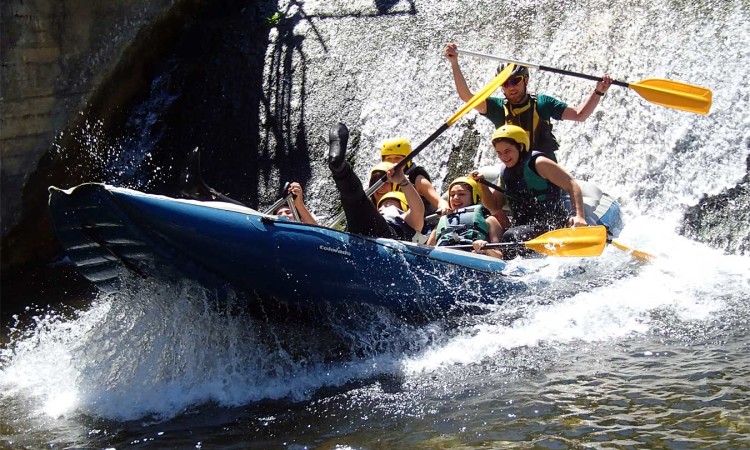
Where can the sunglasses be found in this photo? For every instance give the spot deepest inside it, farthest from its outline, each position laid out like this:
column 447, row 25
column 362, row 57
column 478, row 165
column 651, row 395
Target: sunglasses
column 513, row 81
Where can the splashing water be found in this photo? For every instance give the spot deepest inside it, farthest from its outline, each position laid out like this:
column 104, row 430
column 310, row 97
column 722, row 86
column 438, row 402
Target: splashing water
column 158, row 351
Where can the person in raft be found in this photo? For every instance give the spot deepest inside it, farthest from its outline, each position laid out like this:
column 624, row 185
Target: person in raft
column 468, row 220
column 531, row 112
column 394, row 151
column 533, row 186
column 376, row 173
column 398, row 215
column 304, row 215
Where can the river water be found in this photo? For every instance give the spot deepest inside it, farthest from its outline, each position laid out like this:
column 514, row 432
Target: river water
column 598, row 353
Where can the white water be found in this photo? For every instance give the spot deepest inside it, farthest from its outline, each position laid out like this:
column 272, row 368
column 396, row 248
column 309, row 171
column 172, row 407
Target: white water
column 162, row 350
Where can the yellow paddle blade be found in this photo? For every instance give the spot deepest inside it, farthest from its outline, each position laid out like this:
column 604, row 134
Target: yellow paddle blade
column 482, row 95
column 637, row 254
column 578, row 241
column 674, row 94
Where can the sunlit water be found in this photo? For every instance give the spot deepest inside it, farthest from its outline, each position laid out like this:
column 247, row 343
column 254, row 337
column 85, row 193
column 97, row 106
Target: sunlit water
column 600, row 352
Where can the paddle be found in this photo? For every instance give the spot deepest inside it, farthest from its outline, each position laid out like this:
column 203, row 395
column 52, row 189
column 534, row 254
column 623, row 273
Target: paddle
column 637, row 254
column 478, row 98
column 193, row 186
column 288, row 199
column 578, row 241
column 671, row 94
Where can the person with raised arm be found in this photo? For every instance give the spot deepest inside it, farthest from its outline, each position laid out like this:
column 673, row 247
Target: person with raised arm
column 532, row 112
column 398, row 215
column 295, row 189
column 394, row 151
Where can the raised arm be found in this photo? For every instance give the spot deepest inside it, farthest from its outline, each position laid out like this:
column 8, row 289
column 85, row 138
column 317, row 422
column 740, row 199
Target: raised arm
column 584, row 110
column 304, row 215
column 414, row 217
column 462, row 88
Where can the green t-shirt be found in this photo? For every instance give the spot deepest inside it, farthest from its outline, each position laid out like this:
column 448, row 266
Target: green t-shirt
column 547, row 107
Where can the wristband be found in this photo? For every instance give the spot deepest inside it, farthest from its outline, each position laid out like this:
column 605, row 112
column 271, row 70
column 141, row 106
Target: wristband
column 404, row 184
column 598, row 92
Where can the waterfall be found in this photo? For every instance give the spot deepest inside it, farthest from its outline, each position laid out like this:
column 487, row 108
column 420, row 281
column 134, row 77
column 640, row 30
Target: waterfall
column 260, row 92
column 382, row 72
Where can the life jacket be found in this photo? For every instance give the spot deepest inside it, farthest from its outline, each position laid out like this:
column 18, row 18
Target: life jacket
column 463, row 226
column 532, row 198
column 527, row 117
column 395, row 219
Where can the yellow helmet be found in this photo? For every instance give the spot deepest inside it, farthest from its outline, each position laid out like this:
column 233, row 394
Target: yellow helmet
column 476, row 194
column 395, row 146
column 383, row 168
column 398, row 195
column 514, row 133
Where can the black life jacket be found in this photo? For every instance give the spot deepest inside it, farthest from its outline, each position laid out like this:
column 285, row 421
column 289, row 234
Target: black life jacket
column 527, row 117
column 532, row 198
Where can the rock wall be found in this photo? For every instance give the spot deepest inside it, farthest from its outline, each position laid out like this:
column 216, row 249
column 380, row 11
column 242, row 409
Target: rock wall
column 55, row 58
column 723, row 220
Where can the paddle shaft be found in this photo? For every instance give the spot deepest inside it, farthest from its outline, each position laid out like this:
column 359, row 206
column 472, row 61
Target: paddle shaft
column 489, row 245
column 540, row 67
column 479, row 97
column 490, row 184
column 401, row 164
column 290, row 203
column 288, row 200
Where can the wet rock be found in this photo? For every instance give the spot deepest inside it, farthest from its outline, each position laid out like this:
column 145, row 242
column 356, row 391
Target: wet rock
column 722, row 221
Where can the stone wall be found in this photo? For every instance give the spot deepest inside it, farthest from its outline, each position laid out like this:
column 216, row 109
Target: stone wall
column 65, row 64
column 54, row 57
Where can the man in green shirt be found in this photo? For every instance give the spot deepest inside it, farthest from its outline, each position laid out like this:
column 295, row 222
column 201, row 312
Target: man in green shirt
column 533, row 113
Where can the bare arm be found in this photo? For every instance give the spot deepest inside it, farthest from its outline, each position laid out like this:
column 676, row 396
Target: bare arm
column 432, row 240
column 560, row 177
column 414, row 217
column 304, row 215
column 479, row 247
column 458, row 77
column 496, row 230
column 491, row 199
column 584, row 110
